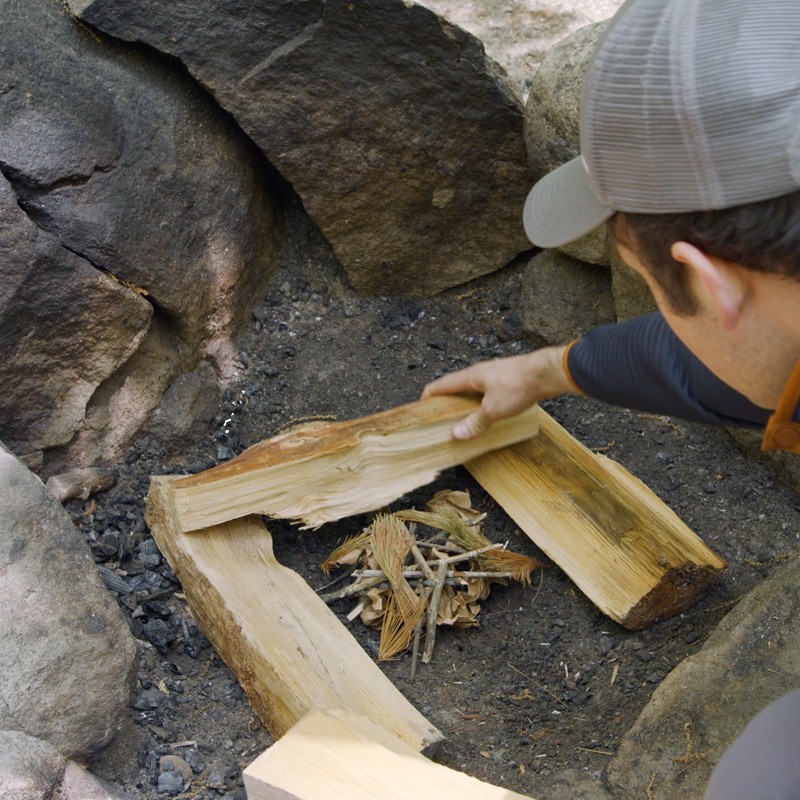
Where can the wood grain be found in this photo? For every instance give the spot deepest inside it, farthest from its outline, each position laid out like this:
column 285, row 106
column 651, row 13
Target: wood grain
column 286, row 648
column 632, row 556
column 335, row 470
column 338, row 755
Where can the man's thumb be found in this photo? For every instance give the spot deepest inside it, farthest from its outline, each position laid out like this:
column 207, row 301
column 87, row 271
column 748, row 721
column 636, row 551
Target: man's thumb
column 471, row 426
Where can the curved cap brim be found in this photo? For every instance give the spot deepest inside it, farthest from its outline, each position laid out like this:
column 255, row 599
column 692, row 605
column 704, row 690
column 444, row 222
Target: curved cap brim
column 562, row 207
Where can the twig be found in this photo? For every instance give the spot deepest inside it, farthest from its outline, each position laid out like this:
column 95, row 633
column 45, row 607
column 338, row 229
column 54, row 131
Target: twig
column 421, row 562
column 415, row 648
column 355, row 612
column 470, row 554
column 593, row 750
column 346, row 574
column 411, row 574
column 539, row 685
column 449, row 547
column 424, row 597
column 433, row 609
column 353, row 588
column 384, row 584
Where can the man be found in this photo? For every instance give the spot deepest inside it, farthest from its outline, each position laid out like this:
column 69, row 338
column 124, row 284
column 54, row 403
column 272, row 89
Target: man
column 690, row 153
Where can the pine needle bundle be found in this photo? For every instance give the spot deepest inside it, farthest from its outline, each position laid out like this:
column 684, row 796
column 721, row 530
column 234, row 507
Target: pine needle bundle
column 391, row 543
column 398, row 627
column 519, row 566
column 355, row 544
column 470, row 537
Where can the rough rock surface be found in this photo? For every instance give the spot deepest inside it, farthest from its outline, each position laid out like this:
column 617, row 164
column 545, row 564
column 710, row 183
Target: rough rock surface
column 143, row 200
column 188, row 407
column 552, row 114
column 632, row 296
column 402, row 139
column 518, row 34
column 68, row 658
column 78, row 784
column 29, row 768
column 51, row 361
column 563, row 298
column 752, row 658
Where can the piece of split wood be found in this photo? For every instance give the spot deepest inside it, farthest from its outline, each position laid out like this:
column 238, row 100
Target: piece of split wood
column 340, row 755
column 333, row 470
column 627, row 551
column 286, row 648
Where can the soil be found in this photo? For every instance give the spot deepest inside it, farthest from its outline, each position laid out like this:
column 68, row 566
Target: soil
column 546, row 681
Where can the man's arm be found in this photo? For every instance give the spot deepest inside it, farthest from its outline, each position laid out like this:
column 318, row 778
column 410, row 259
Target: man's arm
column 508, row 385
column 638, row 364
column 641, row 364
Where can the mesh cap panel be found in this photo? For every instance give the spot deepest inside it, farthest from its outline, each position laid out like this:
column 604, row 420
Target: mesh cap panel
column 694, row 104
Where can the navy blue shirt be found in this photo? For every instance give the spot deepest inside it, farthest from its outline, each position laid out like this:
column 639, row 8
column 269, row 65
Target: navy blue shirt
column 641, row 364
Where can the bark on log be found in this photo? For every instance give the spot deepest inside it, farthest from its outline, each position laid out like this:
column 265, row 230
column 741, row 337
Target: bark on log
column 326, row 472
column 286, row 648
column 339, row 755
column 625, row 549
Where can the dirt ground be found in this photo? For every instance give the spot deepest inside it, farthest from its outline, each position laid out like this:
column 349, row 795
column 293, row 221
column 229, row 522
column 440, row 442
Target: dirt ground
column 546, row 681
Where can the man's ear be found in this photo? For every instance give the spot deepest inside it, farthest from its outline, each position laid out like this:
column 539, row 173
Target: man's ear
column 721, row 279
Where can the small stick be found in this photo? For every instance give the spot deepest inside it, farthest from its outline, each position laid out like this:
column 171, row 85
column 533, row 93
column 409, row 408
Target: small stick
column 470, row 554
column 421, row 562
column 355, row 612
column 450, row 573
column 353, row 588
column 424, row 596
column 415, row 648
column 346, row 574
column 433, row 609
column 449, row 547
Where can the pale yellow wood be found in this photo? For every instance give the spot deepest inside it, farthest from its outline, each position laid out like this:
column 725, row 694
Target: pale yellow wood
column 286, row 648
column 632, row 556
column 339, row 755
column 330, row 471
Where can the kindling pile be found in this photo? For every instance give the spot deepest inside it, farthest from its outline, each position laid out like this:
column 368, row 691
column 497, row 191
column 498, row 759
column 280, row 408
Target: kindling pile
column 403, row 582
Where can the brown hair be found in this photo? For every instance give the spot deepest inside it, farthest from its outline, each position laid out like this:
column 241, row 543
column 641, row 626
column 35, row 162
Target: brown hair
column 763, row 237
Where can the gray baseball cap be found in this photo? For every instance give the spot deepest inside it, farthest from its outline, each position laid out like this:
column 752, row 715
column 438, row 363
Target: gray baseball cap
column 687, row 105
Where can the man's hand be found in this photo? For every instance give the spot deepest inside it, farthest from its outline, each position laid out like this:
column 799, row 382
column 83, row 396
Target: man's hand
column 508, row 385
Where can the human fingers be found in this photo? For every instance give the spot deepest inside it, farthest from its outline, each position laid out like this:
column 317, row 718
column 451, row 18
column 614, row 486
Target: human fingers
column 471, row 426
column 461, row 382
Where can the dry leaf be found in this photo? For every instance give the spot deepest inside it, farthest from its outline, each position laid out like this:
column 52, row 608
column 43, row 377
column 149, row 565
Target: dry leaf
column 479, row 588
column 375, row 607
column 456, row 608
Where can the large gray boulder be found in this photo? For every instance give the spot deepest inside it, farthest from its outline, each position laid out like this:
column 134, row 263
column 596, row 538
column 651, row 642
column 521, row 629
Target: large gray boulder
column 552, row 117
column 67, row 659
column 752, row 658
column 31, row 769
column 127, row 199
column 64, row 328
column 402, row 139
column 552, row 112
column 562, row 298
